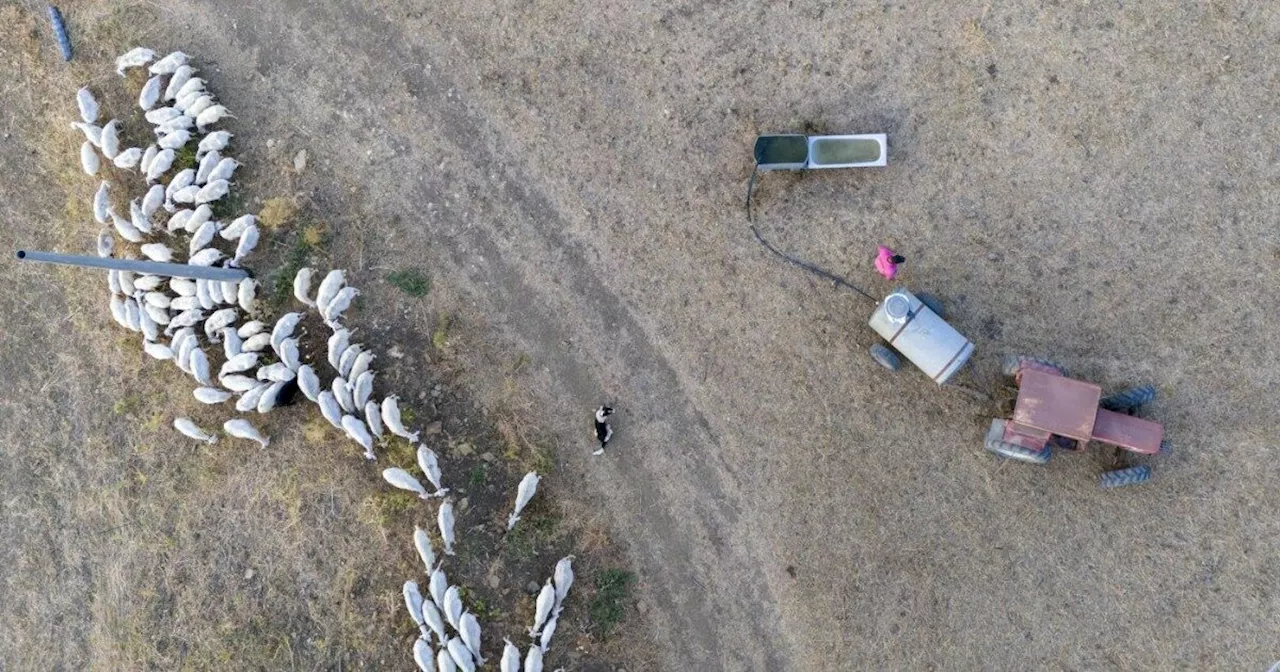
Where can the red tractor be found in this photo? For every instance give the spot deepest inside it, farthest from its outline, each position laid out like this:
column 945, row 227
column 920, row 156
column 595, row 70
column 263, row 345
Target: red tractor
column 1053, row 411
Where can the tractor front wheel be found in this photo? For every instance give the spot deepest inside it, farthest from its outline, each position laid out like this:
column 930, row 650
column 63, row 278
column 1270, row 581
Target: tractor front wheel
column 1128, row 400
column 886, row 357
column 996, row 444
column 1123, row 477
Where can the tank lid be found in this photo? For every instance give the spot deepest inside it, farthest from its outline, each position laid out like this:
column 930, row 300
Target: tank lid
column 897, row 307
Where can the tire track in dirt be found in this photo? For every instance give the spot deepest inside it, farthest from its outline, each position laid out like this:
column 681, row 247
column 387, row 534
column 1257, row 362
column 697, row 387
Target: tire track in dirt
column 673, row 501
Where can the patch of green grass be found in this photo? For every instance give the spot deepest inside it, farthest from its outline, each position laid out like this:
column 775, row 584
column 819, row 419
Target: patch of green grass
column 282, row 280
column 128, row 405
column 184, row 157
column 479, row 606
column 382, row 508
column 154, row 421
column 411, row 281
column 613, row 589
column 440, row 337
column 541, row 461
column 478, row 475
column 532, row 533
column 228, row 207
column 399, row 452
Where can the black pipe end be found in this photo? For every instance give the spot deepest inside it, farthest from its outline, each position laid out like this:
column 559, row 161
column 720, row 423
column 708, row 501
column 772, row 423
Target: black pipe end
column 22, row 254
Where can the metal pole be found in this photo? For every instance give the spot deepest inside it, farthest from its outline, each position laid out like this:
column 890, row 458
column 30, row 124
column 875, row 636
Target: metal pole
column 146, row 267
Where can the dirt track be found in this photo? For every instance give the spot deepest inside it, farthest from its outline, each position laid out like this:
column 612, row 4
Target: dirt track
column 1092, row 183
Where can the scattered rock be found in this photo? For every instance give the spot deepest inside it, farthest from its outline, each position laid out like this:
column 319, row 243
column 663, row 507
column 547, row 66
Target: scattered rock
column 994, row 256
column 395, row 352
column 300, row 161
column 248, row 575
column 433, row 428
column 532, row 587
column 494, row 581
column 463, row 504
column 464, row 449
column 271, row 142
column 488, row 457
column 436, row 392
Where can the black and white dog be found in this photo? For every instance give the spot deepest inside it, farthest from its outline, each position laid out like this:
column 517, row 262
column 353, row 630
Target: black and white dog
column 603, row 431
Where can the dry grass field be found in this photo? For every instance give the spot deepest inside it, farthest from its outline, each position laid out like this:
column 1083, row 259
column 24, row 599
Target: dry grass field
column 1091, row 181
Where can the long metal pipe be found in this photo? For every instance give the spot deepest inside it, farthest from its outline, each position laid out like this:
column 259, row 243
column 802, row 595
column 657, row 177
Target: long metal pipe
column 137, row 266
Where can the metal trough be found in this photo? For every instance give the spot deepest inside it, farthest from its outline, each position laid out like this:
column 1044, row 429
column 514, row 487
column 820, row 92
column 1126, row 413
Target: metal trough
column 812, row 152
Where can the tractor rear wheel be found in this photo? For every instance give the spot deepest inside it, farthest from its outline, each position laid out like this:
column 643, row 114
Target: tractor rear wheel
column 886, row 357
column 1012, row 365
column 1122, row 477
column 932, row 303
column 1128, row 400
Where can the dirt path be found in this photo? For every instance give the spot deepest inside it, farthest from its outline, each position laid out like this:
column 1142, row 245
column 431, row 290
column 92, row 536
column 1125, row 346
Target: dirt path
column 1094, row 183
column 787, row 504
column 487, row 215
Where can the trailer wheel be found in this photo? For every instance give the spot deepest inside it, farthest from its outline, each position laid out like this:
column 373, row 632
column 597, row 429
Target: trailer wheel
column 1012, row 365
column 996, row 444
column 932, row 303
column 1128, row 400
column 886, row 357
column 1122, row 477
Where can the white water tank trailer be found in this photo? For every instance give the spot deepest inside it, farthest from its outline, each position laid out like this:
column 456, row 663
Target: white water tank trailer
column 914, row 327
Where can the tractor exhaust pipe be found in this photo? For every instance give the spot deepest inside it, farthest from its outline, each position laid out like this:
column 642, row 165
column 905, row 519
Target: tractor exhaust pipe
column 137, row 266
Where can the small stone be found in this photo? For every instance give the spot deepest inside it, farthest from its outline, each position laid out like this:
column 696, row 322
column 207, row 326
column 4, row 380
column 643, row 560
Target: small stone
column 463, row 504
column 994, row 256
column 532, row 587
column 494, row 581
column 248, row 575
column 271, row 142
column 435, row 392
column 395, row 352
column 300, row 161
column 433, row 428
column 488, row 457
column 464, row 449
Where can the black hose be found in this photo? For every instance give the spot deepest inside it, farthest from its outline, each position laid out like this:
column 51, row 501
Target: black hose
column 835, row 279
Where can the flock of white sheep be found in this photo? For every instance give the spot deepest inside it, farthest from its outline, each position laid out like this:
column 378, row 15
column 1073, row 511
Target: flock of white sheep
column 262, row 367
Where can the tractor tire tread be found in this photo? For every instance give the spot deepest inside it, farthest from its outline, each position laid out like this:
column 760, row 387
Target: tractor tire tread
column 1120, row 478
column 1127, row 400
